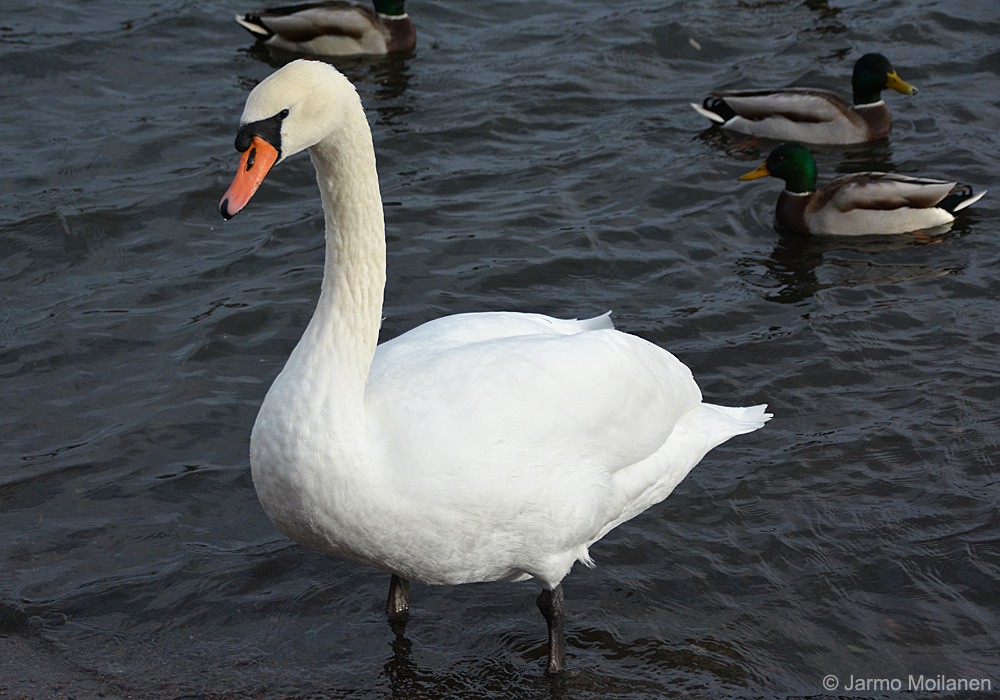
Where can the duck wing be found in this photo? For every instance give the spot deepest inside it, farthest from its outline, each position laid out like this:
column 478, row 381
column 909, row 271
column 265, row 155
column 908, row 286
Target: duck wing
column 308, row 21
column 807, row 105
column 885, row 191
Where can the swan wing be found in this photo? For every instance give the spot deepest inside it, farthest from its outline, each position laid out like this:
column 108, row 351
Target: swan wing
column 522, row 418
column 460, row 329
column 532, row 438
column 521, row 398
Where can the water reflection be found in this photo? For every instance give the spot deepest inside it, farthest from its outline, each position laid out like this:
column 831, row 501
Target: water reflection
column 876, row 156
column 711, row 662
column 402, row 673
column 831, row 161
column 731, row 142
column 826, row 16
column 491, row 677
column 390, row 75
column 795, row 270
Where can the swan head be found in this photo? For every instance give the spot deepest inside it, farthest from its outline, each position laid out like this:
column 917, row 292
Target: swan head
column 290, row 111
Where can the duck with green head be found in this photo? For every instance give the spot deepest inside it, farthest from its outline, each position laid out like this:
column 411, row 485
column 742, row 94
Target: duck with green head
column 812, row 115
column 334, row 28
column 860, row 203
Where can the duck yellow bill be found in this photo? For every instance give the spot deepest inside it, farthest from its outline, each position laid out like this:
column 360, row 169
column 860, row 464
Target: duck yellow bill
column 255, row 163
column 898, row 84
column 762, row 171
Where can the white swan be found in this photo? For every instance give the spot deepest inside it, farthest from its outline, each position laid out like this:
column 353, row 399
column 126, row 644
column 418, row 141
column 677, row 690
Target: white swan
column 476, row 447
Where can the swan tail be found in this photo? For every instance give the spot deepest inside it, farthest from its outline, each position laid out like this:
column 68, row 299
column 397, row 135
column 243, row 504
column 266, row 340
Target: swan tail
column 737, row 421
column 583, row 556
column 703, row 428
column 709, row 426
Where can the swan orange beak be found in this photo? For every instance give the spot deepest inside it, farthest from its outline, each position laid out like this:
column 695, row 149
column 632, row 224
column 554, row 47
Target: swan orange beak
column 762, row 171
column 255, row 163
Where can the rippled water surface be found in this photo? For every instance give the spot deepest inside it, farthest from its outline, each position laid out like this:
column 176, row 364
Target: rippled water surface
column 533, row 156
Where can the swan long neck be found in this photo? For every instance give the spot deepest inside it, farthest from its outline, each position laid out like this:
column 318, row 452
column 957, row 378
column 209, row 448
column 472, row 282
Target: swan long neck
column 346, row 322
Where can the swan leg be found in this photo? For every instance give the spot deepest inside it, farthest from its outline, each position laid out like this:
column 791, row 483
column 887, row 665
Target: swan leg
column 550, row 602
column 397, row 607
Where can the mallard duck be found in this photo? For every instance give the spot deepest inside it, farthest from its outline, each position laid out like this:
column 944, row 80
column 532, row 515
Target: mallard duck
column 493, row 446
column 810, row 115
column 860, row 203
column 334, row 28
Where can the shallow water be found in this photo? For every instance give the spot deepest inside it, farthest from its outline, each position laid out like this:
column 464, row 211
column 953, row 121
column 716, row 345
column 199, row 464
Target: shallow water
column 533, row 156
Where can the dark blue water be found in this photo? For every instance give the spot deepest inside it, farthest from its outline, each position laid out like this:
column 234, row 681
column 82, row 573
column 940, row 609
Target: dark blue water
column 533, row 156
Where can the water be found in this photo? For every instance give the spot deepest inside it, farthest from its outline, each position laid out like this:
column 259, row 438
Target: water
column 533, row 156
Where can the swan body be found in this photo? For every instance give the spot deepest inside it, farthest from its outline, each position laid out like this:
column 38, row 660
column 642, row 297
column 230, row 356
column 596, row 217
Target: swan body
column 475, row 447
column 812, row 115
column 860, row 203
column 334, row 28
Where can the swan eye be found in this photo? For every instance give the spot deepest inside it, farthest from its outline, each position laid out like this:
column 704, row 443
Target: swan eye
column 283, row 113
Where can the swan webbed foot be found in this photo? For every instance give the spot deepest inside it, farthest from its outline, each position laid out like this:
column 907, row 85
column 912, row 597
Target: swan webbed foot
column 550, row 602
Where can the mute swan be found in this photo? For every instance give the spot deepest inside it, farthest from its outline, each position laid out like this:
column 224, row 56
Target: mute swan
column 860, row 203
column 476, row 447
column 811, row 115
column 334, row 27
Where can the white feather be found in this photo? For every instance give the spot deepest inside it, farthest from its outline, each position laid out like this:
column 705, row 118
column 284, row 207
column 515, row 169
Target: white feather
column 477, row 447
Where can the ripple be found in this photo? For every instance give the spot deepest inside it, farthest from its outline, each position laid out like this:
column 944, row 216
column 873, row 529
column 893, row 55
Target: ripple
column 537, row 161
